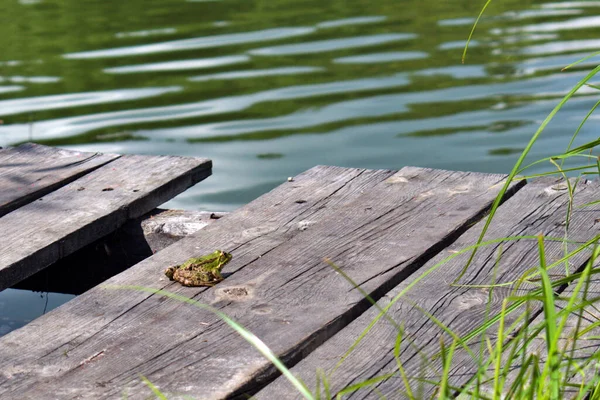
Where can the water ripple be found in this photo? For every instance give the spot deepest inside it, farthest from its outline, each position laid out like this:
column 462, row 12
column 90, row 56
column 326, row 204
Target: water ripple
column 577, row 23
column 368, row 107
column 534, row 65
column 179, row 65
column 331, row 45
column 18, row 106
column 146, row 32
column 65, row 127
column 203, row 42
column 375, row 58
column 30, row 79
column 457, row 44
column 13, row 88
column 352, row 21
column 561, row 47
column 570, row 4
column 456, row 21
column 255, row 73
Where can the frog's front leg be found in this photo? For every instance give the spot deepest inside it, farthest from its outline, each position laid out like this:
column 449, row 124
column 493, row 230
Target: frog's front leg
column 169, row 272
column 217, row 274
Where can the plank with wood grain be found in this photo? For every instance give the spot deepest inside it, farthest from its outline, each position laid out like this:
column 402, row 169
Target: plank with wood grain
column 277, row 285
column 539, row 207
column 29, row 171
column 72, row 216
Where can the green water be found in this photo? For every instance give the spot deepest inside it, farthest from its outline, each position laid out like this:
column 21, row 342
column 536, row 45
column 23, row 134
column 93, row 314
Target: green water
column 268, row 89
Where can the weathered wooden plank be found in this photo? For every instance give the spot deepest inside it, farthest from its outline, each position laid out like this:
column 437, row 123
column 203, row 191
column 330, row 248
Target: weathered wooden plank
column 278, row 286
column 539, row 207
column 30, row 171
column 40, row 233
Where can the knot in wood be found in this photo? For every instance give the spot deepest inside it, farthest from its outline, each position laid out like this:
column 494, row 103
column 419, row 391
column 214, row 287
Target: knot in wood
column 471, row 299
column 235, row 292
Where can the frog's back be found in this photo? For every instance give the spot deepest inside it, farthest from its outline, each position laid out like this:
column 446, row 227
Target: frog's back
column 194, row 278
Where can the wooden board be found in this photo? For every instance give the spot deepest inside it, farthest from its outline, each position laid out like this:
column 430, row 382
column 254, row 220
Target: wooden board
column 377, row 227
column 538, row 208
column 30, row 171
column 39, row 233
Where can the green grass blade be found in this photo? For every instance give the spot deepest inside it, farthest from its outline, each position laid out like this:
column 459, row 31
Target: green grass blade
column 581, row 125
column 318, row 385
column 464, row 55
column 444, row 391
column 559, row 170
column 547, row 159
column 583, row 147
column 326, row 386
column 581, row 60
column 498, row 381
column 397, row 347
column 551, row 368
column 154, row 389
column 366, row 383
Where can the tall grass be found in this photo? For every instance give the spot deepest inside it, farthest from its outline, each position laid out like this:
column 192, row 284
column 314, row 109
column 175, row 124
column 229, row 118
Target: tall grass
column 541, row 356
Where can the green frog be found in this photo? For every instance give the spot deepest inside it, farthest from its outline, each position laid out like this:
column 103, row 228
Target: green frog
column 200, row 271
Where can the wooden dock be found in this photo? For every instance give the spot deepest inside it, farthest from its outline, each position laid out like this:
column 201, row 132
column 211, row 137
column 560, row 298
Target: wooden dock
column 382, row 228
column 53, row 202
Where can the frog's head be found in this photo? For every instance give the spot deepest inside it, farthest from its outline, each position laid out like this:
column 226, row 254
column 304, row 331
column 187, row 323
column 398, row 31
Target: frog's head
column 169, row 272
column 222, row 259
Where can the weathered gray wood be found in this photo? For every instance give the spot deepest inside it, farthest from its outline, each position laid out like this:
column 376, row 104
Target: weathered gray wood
column 277, row 285
column 38, row 234
column 30, row 171
column 539, row 207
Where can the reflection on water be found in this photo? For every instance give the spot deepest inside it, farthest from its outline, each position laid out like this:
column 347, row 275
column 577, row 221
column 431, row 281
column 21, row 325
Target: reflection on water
column 377, row 58
column 146, row 32
column 23, row 105
column 351, row 21
column 255, row 73
column 12, row 88
column 565, row 46
column 269, row 89
column 195, row 43
column 65, row 127
column 330, row 45
column 179, row 65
